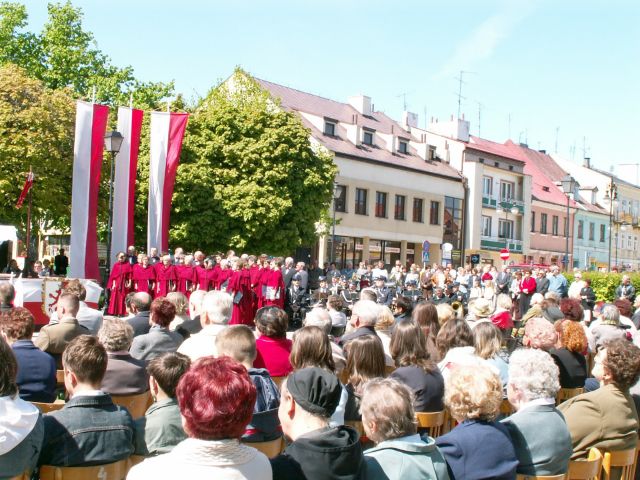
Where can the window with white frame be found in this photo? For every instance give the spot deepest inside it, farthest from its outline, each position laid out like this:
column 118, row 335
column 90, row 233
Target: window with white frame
column 505, row 229
column 487, row 186
column 330, row 128
column 367, row 137
column 629, row 242
column 486, row 226
column 403, row 146
column 507, row 190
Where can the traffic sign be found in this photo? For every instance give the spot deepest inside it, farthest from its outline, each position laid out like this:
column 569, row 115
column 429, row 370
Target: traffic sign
column 475, row 258
column 504, row 254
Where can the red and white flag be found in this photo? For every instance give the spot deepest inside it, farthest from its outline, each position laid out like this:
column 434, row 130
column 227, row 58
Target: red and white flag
column 129, row 125
column 91, row 124
column 25, row 189
column 167, row 132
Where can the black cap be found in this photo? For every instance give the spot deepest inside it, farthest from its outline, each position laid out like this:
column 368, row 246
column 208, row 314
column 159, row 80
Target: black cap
column 322, row 278
column 316, row 390
column 296, row 277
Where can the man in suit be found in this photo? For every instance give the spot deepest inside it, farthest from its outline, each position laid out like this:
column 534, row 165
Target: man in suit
column 542, row 282
column 503, row 280
column 384, row 294
column 538, row 430
column 88, row 317
column 140, row 306
column 53, row 339
column 304, row 276
column 193, row 325
column 363, row 320
column 60, row 264
column 288, row 271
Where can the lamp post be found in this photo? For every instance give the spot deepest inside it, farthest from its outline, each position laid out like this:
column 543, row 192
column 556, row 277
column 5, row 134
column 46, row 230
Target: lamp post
column 112, row 143
column 568, row 187
column 611, row 197
column 336, row 191
column 502, row 208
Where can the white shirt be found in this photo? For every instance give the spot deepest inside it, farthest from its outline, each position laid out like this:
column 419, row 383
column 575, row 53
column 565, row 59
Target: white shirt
column 202, row 344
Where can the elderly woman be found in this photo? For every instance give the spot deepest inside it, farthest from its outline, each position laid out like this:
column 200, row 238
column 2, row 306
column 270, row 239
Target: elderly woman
column 538, row 430
column 181, row 303
column 606, row 418
column 479, row 447
column 159, row 339
column 539, row 333
column 272, row 345
column 607, row 327
column 216, row 398
column 569, row 356
column 125, row 375
column 389, row 420
column 501, row 317
column 21, row 425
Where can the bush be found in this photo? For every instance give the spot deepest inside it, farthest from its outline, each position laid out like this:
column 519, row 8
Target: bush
column 604, row 284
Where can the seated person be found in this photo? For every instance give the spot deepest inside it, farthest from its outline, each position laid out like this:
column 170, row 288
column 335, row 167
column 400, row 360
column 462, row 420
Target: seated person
column 272, row 345
column 36, row 376
column 88, row 317
column 569, row 356
column 606, row 418
column 538, row 430
column 89, row 429
column 216, row 398
column 215, row 310
column 140, row 307
column 239, row 343
column 478, row 447
column 54, row 338
column 125, row 375
column 21, row 426
column 161, row 427
column 159, row 339
column 389, row 420
column 308, row 399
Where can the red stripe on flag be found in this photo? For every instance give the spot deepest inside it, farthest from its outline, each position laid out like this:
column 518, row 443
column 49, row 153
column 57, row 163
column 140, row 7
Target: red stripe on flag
column 136, row 127
column 177, row 126
column 28, row 183
column 98, row 129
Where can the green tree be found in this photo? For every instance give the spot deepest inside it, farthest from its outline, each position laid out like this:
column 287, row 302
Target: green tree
column 249, row 176
column 36, row 129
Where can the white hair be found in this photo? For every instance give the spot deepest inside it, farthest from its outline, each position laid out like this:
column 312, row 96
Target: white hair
column 288, row 261
column 319, row 317
column 536, row 298
column 217, row 305
column 195, row 302
column 367, row 312
column 534, row 373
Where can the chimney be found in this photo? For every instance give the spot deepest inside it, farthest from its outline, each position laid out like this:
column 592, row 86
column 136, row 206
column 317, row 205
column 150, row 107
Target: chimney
column 362, row 104
column 409, row 119
column 587, row 162
column 542, row 151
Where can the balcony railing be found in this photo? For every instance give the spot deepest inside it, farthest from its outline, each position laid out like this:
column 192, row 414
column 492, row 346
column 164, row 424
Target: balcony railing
column 497, row 243
column 492, row 202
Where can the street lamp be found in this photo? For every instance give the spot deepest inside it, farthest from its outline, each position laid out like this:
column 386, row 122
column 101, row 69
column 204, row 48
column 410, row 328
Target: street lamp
column 502, row 208
column 112, row 143
column 336, row 192
column 611, row 197
column 568, row 187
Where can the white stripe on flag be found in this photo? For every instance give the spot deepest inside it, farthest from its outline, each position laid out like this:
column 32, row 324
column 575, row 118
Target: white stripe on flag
column 158, row 160
column 121, row 186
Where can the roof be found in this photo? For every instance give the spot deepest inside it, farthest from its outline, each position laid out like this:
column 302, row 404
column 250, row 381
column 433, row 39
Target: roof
column 494, row 148
column 292, row 99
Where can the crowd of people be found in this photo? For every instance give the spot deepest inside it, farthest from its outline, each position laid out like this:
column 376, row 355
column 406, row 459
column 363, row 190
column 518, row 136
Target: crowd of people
column 342, row 388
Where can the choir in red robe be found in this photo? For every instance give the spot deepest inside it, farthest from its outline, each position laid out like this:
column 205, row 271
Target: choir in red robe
column 185, row 277
column 166, row 278
column 274, row 287
column 143, row 277
column 118, row 285
column 239, row 288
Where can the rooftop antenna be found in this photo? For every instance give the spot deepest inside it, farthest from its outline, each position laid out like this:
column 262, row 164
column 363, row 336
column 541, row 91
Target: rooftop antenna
column 479, row 115
column 460, row 82
column 404, row 99
column 584, row 147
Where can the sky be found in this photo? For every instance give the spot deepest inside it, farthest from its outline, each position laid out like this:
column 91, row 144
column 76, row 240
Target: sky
column 559, row 75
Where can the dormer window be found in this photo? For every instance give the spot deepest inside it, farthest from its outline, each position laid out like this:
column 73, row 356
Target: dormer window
column 367, row 137
column 330, row 128
column 403, row 146
column 545, row 188
column 432, row 153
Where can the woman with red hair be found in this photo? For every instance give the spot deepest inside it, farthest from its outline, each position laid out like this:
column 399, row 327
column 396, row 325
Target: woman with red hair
column 216, row 398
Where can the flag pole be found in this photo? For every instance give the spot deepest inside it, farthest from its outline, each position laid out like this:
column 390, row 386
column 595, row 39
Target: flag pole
column 29, row 220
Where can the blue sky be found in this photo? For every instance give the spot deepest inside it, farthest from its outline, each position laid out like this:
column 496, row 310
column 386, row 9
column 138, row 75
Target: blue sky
column 571, row 67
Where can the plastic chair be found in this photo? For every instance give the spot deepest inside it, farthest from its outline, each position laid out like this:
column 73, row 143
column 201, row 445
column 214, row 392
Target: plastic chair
column 48, row 407
column 588, row 469
column 625, row 460
column 562, row 476
column 110, row 471
column 271, row 449
column 60, row 377
column 22, row 476
column 432, row 421
column 567, row 393
column 133, row 460
column 136, row 404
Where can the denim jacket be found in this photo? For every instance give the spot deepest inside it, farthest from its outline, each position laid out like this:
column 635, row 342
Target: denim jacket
column 89, row 430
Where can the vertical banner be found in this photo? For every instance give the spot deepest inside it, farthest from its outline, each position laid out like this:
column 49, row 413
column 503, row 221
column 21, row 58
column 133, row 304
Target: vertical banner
column 167, row 132
column 91, row 124
column 129, row 125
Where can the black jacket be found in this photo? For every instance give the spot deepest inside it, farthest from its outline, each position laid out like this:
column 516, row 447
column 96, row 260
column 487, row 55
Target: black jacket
column 325, row 454
column 189, row 327
column 140, row 323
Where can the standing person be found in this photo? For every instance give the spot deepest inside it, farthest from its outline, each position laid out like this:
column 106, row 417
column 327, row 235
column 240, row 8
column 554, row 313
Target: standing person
column 118, row 285
column 542, row 282
column 200, row 276
column 185, row 276
column 132, row 257
column 60, row 264
column 587, row 297
column 224, row 274
column 576, row 286
column 272, row 345
column 288, row 271
column 516, row 294
column 165, row 277
column 275, row 293
column 143, row 275
column 304, row 276
column 557, row 282
column 154, row 258
column 503, row 280
column 625, row 290
column 527, row 289
column 239, row 288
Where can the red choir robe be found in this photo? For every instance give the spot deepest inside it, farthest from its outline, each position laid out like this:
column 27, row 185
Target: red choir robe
column 143, row 278
column 275, row 289
column 240, row 290
column 200, row 275
column 117, row 284
column 261, row 286
column 254, row 275
column 223, row 276
column 211, row 276
column 165, row 278
column 186, row 277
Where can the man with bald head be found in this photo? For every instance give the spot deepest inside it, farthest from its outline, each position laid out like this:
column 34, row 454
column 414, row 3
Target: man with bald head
column 7, row 294
column 54, row 338
column 140, row 307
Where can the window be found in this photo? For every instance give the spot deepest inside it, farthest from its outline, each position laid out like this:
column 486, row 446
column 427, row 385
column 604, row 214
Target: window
column 592, row 231
column 506, row 191
column 330, row 128
column 367, row 137
column 543, row 223
column 434, row 213
column 603, row 232
column 403, row 146
column 629, row 242
column 486, row 226
column 381, row 204
column 452, row 228
column 417, row 210
column 533, row 221
column 487, row 186
column 340, row 202
column 401, row 200
column 580, row 229
column 505, row 229
column 361, row 201
column 432, row 153
column 554, row 225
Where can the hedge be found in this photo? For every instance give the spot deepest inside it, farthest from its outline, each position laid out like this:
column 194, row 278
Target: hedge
column 604, row 284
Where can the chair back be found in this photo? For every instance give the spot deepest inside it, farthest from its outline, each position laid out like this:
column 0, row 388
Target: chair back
column 588, row 469
column 48, row 407
column 60, row 377
column 389, row 369
column 567, row 393
column 278, row 380
column 110, row 471
column 271, row 449
column 624, row 460
column 432, row 421
column 136, row 404
column 562, row 476
column 133, row 460
column 23, row 476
